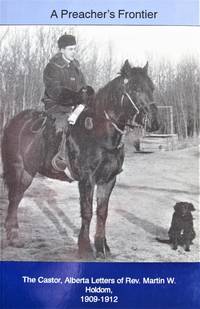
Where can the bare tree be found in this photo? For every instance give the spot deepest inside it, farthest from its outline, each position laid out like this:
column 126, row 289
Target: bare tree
column 24, row 52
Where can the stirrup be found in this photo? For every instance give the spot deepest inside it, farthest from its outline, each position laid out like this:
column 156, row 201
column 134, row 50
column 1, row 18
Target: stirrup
column 60, row 165
column 68, row 174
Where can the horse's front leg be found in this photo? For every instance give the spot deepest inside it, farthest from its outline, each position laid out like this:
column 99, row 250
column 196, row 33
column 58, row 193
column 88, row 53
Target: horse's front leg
column 103, row 195
column 86, row 189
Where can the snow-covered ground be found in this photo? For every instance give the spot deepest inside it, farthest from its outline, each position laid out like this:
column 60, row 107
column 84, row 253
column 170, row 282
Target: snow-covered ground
column 140, row 209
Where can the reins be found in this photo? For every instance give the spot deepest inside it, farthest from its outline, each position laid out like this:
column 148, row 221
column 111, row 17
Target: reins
column 113, row 123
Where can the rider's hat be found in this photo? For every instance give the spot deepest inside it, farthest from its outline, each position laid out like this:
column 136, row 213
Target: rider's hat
column 66, row 40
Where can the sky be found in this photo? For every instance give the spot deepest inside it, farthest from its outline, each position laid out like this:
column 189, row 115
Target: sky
column 136, row 43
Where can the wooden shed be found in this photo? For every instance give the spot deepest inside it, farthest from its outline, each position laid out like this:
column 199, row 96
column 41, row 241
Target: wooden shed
column 161, row 142
column 158, row 142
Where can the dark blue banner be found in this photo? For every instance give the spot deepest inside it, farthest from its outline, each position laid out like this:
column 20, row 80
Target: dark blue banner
column 38, row 285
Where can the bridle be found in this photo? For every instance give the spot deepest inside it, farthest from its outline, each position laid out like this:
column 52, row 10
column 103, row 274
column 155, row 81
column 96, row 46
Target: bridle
column 126, row 94
column 136, row 108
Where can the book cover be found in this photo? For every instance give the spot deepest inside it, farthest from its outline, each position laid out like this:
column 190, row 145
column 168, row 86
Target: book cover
column 99, row 154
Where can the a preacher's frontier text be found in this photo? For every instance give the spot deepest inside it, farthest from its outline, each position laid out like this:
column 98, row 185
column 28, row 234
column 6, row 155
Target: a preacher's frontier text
column 92, row 14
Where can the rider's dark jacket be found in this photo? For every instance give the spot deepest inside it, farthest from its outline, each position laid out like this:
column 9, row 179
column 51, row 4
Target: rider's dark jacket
column 59, row 76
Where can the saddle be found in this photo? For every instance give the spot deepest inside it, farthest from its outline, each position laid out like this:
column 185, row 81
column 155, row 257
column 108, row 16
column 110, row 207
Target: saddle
column 59, row 120
column 55, row 129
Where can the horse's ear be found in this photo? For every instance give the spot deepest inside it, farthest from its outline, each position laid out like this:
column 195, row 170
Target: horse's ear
column 145, row 68
column 126, row 69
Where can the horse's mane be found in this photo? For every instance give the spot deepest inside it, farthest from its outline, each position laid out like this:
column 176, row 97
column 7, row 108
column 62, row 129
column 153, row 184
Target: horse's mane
column 108, row 95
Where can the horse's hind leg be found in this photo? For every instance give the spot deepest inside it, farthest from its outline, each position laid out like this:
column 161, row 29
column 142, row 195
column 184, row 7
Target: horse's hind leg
column 17, row 185
column 86, row 190
column 103, row 195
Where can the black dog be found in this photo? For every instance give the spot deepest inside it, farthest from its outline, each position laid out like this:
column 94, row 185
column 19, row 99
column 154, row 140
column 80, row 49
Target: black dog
column 181, row 231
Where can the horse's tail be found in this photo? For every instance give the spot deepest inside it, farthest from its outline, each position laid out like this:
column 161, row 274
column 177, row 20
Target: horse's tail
column 5, row 156
column 10, row 145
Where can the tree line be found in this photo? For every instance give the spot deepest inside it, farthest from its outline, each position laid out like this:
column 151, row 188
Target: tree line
column 24, row 54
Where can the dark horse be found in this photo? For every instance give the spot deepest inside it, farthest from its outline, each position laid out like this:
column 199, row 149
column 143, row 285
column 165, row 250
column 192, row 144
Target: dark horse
column 96, row 155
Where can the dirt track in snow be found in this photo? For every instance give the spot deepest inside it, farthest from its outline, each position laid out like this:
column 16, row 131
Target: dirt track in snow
column 140, row 210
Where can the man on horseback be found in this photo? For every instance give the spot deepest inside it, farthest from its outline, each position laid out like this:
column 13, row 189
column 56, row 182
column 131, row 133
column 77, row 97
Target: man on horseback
column 65, row 88
column 96, row 157
column 62, row 74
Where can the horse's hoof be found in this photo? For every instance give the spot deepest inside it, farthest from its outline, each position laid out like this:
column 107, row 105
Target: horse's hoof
column 107, row 250
column 86, row 256
column 17, row 243
column 12, row 234
column 100, row 256
column 102, row 249
column 4, row 244
column 108, row 254
column 86, row 253
column 13, row 239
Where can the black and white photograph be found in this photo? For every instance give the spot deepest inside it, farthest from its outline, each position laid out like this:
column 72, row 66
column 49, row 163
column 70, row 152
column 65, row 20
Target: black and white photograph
column 99, row 130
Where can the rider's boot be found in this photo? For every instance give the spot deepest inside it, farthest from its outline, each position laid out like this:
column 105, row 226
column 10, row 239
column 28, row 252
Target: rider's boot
column 60, row 161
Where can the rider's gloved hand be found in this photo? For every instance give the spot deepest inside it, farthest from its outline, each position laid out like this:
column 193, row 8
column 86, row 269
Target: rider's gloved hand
column 90, row 91
column 69, row 97
column 85, row 93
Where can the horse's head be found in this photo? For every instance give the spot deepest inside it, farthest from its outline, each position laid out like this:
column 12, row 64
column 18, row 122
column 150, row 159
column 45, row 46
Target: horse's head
column 137, row 96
